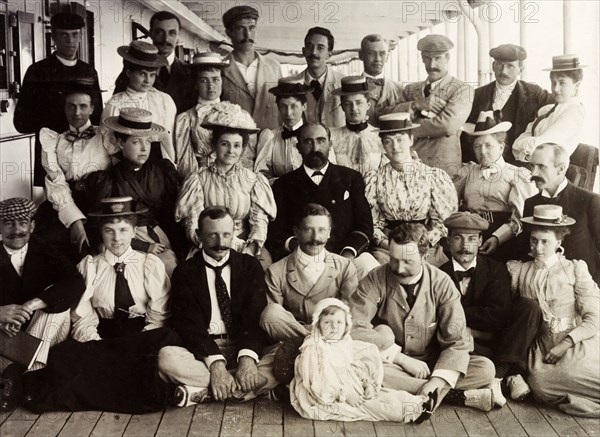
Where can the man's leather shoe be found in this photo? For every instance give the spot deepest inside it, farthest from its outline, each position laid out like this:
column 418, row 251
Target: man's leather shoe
column 11, row 392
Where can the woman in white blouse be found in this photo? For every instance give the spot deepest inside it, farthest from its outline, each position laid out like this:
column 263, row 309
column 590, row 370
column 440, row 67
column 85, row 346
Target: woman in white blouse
column 226, row 182
column 560, row 123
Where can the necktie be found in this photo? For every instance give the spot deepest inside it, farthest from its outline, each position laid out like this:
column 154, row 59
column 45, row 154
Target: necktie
column 317, row 90
column 164, row 76
column 537, row 120
column 123, row 298
column 486, row 173
column 372, row 80
column 223, row 298
column 460, row 274
column 84, row 134
column 410, row 293
column 287, row 134
column 317, row 173
column 427, row 90
column 358, row 127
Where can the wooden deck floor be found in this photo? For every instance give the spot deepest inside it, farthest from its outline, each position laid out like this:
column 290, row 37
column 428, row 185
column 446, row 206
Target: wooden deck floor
column 265, row 418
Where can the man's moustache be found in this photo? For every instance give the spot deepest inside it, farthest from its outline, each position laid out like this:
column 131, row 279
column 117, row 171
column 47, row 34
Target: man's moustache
column 17, row 235
column 220, row 248
column 465, row 252
column 316, row 243
column 316, row 58
column 536, row 179
column 246, row 40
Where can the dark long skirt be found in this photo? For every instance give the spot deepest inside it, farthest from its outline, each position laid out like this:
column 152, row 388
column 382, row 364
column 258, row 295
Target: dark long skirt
column 118, row 375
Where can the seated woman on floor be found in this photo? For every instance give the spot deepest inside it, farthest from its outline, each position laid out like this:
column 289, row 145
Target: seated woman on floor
column 407, row 191
column 125, row 306
column 246, row 195
column 337, row 378
column 559, row 123
column 67, row 158
column 564, row 361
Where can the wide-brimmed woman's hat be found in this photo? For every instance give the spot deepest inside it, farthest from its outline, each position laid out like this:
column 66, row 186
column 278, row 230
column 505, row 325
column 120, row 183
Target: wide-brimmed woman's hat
column 486, row 124
column 289, row 86
column 117, row 207
column 548, row 215
column 208, row 60
column 565, row 63
column 83, row 85
column 353, row 85
column 142, row 53
column 230, row 116
column 395, row 122
column 134, row 121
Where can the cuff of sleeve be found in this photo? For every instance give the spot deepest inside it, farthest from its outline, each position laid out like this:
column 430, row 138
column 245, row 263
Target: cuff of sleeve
column 248, row 353
column 390, row 353
column 69, row 215
column 286, row 245
column 450, row 376
column 212, row 358
column 351, row 249
column 503, row 233
column 575, row 336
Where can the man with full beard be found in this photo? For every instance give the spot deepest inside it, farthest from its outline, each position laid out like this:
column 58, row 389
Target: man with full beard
column 339, row 189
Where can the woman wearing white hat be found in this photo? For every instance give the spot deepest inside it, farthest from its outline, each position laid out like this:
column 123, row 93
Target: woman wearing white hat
column 226, row 182
column 493, row 188
column 562, row 122
column 407, row 191
column 142, row 62
column 564, row 361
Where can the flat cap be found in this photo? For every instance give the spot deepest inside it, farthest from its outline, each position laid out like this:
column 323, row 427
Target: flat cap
column 466, row 220
column 66, row 21
column 16, row 208
column 508, row 53
column 237, row 13
column 434, row 43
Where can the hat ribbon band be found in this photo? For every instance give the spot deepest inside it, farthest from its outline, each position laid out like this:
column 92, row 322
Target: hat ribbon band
column 485, row 125
column 394, row 124
column 142, row 56
column 134, row 124
column 550, row 220
column 567, row 64
column 355, row 87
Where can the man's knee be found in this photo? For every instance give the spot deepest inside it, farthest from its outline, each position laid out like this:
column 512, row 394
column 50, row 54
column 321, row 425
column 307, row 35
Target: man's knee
column 170, row 357
column 386, row 335
column 486, row 371
column 523, row 306
column 274, row 314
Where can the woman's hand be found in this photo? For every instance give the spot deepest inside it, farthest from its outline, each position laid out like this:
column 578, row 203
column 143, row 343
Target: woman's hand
column 558, row 351
column 78, row 235
column 156, row 248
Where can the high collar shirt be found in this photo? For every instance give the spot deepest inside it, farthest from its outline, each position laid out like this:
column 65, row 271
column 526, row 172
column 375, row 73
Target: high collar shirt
column 311, row 266
column 249, row 73
column 464, row 283
column 361, row 151
column 318, row 178
column 501, row 95
column 559, row 190
column 17, row 257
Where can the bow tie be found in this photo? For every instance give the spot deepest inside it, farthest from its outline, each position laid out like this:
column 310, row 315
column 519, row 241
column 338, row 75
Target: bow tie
column 83, row 135
column 460, row 274
column 287, row 134
column 372, row 80
column 486, row 173
column 357, row 127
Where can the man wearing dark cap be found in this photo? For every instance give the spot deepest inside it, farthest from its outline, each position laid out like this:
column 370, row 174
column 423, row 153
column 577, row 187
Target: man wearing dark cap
column 173, row 79
column 441, row 104
column 38, row 289
column 322, row 105
column 517, row 100
column 503, row 326
column 40, row 104
column 250, row 76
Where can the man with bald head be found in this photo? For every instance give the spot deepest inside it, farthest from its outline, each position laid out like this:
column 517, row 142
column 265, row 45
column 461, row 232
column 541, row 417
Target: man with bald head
column 517, row 100
column 374, row 53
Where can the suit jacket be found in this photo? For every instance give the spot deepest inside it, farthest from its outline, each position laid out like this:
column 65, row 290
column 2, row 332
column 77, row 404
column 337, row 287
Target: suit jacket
column 46, row 276
column 262, row 107
column 41, row 105
column 584, row 241
column 342, row 192
column 191, row 306
column 287, row 287
column 528, row 99
column 488, row 297
column 328, row 110
column 391, row 95
column 437, row 139
column 180, row 86
column 433, row 330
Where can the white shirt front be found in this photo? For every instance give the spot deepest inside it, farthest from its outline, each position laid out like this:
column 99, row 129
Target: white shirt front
column 501, row 95
column 464, row 284
column 321, row 79
column 311, row 267
column 170, row 60
column 67, row 62
column 316, row 179
column 17, row 258
column 559, row 190
column 249, row 73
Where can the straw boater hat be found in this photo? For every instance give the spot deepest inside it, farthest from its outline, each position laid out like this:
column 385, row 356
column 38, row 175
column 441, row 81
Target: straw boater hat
column 289, row 86
column 565, row 63
column 83, row 85
column 353, row 85
column 208, row 60
column 134, row 121
column 548, row 215
column 232, row 117
column 142, row 53
column 395, row 122
column 117, row 207
column 486, row 124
